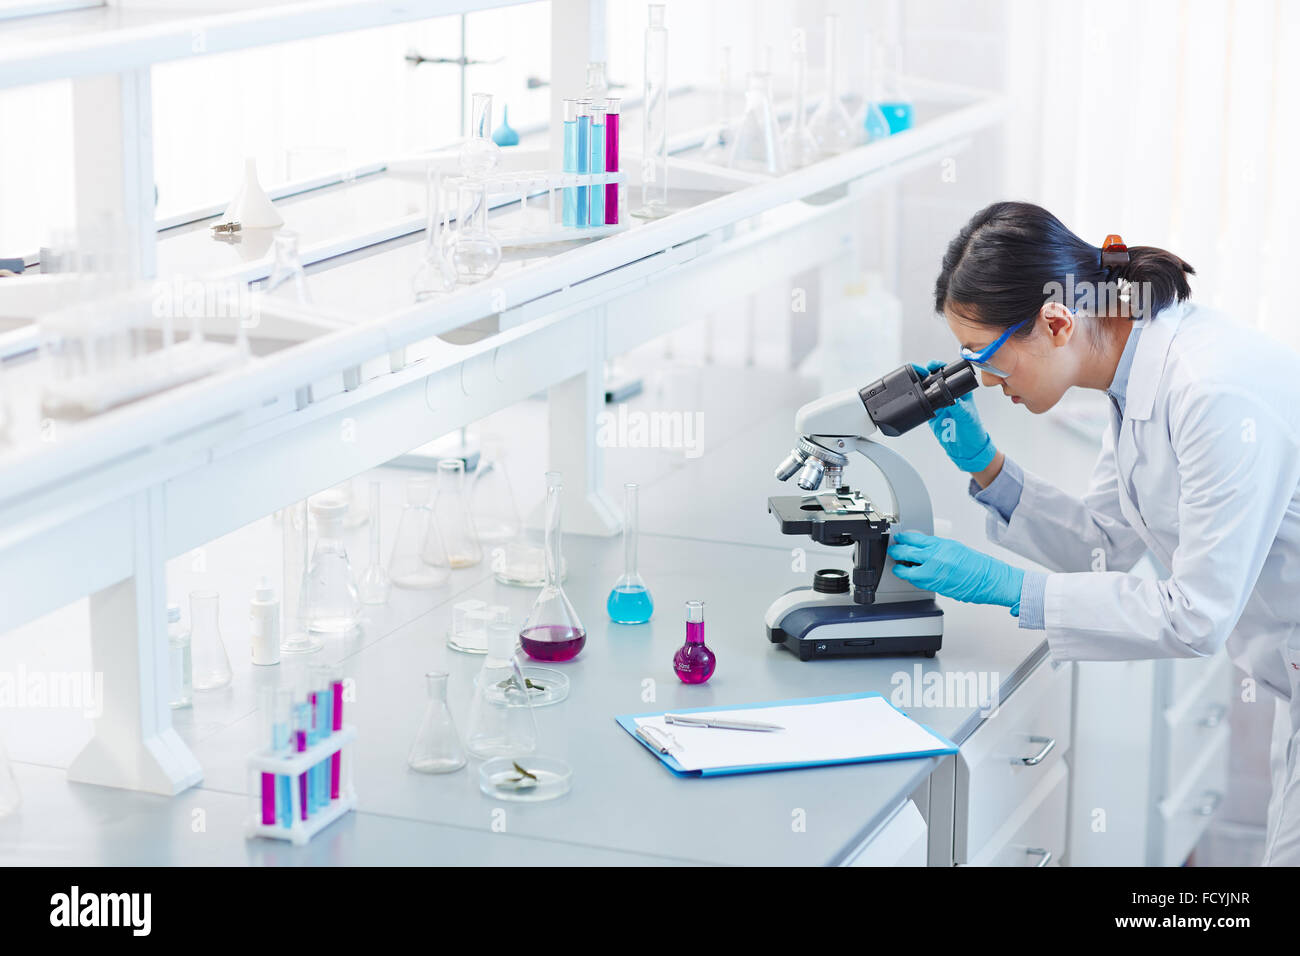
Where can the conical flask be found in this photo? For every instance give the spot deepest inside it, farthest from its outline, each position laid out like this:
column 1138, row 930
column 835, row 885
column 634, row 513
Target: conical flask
column 629, row 600
column 831, row 126
column 757, row 145
column 437, row 746
column 374, row 585
column 416, row 536
column 452, row 541
column 501, row 720
column 208, row 660
column 800, row 147
column 496, row 517
column 552, row 630
column 10, row 796
column 330, row 598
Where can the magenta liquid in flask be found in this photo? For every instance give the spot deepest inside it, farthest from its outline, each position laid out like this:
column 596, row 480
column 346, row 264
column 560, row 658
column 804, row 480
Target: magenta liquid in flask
column 552, row 631
column 694, row 663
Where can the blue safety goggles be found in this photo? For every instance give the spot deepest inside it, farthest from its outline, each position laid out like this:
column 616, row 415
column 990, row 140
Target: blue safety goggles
column 981, row 358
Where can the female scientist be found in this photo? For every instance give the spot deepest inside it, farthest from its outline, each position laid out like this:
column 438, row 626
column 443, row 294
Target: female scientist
column 1200, row 465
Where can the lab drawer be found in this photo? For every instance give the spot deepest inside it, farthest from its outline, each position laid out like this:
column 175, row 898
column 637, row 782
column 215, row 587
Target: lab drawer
column 1187, row 674
column 1189, row 726
column 1010, row 754
column 1182, row 817
column 900, row 841
column 1035, row 836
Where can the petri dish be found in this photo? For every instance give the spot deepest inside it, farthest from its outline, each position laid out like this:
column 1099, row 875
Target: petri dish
column 500, row 779
column 546, row 685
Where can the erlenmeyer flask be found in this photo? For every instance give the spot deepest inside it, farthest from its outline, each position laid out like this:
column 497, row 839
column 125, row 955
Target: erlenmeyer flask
column 211, row 666
column 501, row 720
column 287, row 270
column 757, row 143
column 374, row 585
column 496, row 517
column 800, row 147
column 629, row 601
column 479, row 154
column 552, row 630
column 416, row 536
column 476, row 252
column 329, row 595
column 436, row 273
column 294, row 638
column 437, row 746
column 831, row 127
column 10, row 796
column 452, row 541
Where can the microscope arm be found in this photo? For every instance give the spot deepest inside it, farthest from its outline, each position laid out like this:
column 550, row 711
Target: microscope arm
column 911, row 502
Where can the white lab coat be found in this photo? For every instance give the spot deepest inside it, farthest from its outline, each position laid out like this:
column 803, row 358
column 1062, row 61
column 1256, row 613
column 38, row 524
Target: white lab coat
column 1205, row 472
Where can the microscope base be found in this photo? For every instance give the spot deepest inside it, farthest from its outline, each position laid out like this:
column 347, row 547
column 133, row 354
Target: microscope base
column 855, row 630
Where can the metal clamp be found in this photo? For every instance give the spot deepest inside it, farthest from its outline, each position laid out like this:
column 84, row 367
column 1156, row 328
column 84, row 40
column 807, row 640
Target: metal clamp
column 1047, row 742
column 1211, row 803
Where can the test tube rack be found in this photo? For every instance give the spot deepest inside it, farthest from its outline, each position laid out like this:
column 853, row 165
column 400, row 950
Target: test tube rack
column 293, row 765
column 524, row 185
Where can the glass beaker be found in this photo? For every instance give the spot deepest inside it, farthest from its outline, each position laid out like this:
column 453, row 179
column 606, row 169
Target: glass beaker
column 630, row 601
column 831, row 127
column 469, row 621
column 436, row 273
column 329, row 594
column 10, row 795
column 211, row 666
column 294, row 637
column 287, row 269
column 496, row 516
column 654, row 124
column 479, row 154
column 436, row 748
column 476, row 253
column 180, row 669
column 501, row 719
column 757, row 143
column 552, row 630
column 417, row 535
column 800, row 147
column 374, row 586
column 455, row 544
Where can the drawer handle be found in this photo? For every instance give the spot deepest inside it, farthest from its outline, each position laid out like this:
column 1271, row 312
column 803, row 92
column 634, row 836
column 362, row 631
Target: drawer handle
column 1211, row 803
column 1040, row 851
column 1047, row 742
column 1214, row 717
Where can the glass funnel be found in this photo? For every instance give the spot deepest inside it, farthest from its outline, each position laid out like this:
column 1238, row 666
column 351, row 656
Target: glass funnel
column 417, row 535
column 436, row 748
column 374, row 585
column 294, row 637
column 496, row 515
column 630, row 601
column 479, row 154
column 831, row 127
column 454, row 542
column 476, row 253
column 436, row 273
column 501, row 719
column 208, row 660
column 329, row 594
column 552, row 630
column 800, row 147
column 757, row 144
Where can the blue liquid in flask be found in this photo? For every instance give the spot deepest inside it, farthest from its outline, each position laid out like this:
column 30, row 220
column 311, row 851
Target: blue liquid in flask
column 630, row 605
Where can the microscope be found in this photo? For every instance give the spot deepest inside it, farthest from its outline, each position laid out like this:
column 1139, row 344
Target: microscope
column 869, row 611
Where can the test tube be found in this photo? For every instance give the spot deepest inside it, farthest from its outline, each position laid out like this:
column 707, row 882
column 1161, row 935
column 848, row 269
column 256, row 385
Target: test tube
column 570, row 201
column 336, row 692
column 267, row 706
column 313, row 738
column 301, row 729
column 596, row 164
column 584, row 159
column 281, row 733
column 325, row 707
column 611, row 158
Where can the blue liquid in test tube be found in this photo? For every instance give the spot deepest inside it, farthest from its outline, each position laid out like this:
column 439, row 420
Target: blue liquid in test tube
column 570, row 198
column 596, row 164
column 584, row 158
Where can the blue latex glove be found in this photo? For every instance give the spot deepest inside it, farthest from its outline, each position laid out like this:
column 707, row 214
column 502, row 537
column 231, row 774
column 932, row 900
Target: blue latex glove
column 959, row 430
column 950, row 568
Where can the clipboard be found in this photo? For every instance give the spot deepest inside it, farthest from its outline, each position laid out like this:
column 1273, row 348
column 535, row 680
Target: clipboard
column 667, row 755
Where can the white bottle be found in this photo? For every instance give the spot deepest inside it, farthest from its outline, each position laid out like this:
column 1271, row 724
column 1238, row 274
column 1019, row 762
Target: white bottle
column 264, row 624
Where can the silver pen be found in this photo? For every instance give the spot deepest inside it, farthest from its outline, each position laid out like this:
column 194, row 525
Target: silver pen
column 686, row 720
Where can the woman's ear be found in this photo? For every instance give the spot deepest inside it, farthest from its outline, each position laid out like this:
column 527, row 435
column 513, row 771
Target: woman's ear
column 1059, row 323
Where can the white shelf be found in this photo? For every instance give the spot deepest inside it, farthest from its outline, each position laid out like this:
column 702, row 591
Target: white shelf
column 126, row 34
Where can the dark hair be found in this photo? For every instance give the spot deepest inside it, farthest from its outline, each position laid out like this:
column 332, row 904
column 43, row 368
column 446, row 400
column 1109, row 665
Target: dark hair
column 1012, row 257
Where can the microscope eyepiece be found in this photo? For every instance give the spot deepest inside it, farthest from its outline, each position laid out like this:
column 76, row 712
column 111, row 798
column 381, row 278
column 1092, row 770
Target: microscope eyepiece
column 903, row 399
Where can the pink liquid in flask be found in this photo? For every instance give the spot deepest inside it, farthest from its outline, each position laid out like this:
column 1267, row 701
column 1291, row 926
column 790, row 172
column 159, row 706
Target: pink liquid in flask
column 553, row 642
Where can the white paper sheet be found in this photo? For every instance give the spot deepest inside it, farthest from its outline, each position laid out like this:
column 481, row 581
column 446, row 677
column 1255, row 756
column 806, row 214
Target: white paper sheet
column 838, row 730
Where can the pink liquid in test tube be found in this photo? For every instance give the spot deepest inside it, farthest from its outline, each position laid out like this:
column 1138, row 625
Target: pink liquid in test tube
column 337, row 760
column 302, row 777
column 611, row 159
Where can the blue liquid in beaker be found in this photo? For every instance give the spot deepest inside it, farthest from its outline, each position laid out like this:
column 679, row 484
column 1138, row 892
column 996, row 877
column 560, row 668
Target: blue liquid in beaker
column 630, row 605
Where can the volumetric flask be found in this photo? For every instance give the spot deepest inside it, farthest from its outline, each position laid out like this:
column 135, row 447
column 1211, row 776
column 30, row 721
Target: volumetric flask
column 374, row 586
column 437, row 746
column 501, row 720
column 209, row 662
column 800, row 147
column 552, row 630
column 330, row 596
column 629, row 601
column 479, row 154
column 831, row 126
column 455, row 544
column 416, row 536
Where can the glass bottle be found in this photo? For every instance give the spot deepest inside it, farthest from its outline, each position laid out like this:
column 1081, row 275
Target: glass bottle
column 178, row 660
column 654, row 125
column 455, row 544
column 612, row 107
column 294, row 636
column 210, row 665
column 757, row 145
column 630, row 601
column 329, row 595
column 501, row 719
column 831, row 127
column 417, row 535
column 479, row 154
column 436, row 748
column 436, row 273
column 694, row 662
column 374, row 586
column 287, row 269
column 476, row 253
column 552, row 630
column 800, row 147
column 10, row 795
column 496, row 515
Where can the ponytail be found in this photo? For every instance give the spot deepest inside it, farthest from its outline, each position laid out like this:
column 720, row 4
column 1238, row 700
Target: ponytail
column 1162, row 277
